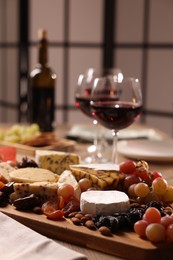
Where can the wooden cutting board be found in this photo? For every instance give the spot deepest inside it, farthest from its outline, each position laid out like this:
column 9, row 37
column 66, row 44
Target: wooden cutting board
column 29, row 150
column 126, row 244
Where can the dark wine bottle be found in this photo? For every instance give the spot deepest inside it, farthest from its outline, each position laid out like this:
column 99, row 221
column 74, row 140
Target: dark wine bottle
column 42, row 88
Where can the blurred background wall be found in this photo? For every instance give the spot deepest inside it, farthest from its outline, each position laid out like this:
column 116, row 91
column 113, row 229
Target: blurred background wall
column 134, row 35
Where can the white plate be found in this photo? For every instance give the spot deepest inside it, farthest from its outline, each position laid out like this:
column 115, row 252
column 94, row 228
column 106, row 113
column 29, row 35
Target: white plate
column 151, row 150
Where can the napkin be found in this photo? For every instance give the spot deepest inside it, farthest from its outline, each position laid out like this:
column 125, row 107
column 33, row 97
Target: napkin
column 88, row 132
column 19, row 242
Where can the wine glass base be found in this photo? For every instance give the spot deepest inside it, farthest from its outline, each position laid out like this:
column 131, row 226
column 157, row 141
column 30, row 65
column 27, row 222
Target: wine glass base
column 95, row 156
column 97, row 160
column 88, row 160
column 91, row 158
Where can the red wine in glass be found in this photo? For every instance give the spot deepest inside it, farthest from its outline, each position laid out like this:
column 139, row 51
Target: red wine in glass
column 116, row 115
column 83, row 103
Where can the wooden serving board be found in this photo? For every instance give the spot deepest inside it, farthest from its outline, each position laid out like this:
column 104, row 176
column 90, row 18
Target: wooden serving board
column 125, row 245
column 59, row 145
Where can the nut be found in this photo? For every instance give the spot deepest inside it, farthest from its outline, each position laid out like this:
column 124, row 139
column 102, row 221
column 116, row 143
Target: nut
column 37, row 210
column 89, row 216
column 84, row 219
column 76, row 221
column 79, row 215
column 90, row 224
column 72, row 214
column 168, row 210
column 105, row 231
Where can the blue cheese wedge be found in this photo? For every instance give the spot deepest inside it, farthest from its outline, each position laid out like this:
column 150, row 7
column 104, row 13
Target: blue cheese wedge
column 44, row 190
column 55, row 161
column 102, row 176
column 104, row 202
column 29, row 175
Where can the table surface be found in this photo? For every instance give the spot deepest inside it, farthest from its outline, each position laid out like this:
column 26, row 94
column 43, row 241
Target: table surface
column 165, row 168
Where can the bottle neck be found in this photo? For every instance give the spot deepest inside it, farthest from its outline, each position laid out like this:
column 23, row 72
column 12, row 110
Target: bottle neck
column 43, row 52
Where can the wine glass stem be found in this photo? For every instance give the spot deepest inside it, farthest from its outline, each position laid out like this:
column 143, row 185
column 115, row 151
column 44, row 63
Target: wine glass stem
column 95, row 142
column 114, row 149
column 96, row 133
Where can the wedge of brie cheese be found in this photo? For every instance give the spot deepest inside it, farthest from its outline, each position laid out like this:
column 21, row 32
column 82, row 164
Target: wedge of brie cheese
column 104, row 202
column 68, row 178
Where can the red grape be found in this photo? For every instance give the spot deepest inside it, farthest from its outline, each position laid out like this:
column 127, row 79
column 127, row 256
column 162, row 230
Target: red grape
column 143, row 174
column 66, row 191
column 159, row 186
column 140, row 227
column 141, row 189
column 155, row 232
column 152, row 215
column 142, row 171
column 127, row 167
column 152, row 196
column 166, row 221
column 85, row 184
column 130, row 179
column 169, row 232
column 168, row 195
column 155, row 174
column 131, row 191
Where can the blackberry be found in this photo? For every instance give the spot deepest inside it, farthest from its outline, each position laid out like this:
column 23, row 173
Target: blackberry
column 114, row 224
column 156, row 205
column 137, row 211
column 122, row 219
column 109, row 221
column 133, row 216
column 8, row 188
column 96, row 218
column 26, row 162
column 102, row 221
column 3, row 199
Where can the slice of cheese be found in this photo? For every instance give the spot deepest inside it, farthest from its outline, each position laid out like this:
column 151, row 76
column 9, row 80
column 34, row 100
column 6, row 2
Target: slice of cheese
column 54, row 161
column 29, row 175
column 44, row 190
column 67, row 177
column 5, row 169
column 104, row 202
column 103, row 176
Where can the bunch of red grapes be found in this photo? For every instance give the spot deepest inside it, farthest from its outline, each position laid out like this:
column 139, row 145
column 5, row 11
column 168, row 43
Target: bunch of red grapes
column 143, row 186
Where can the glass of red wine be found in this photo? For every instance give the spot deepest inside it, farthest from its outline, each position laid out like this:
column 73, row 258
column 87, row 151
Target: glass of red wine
column 116, row 104
column 82, row 99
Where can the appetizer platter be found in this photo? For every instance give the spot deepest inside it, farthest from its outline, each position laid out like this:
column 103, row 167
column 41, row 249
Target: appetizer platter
column 124, row 210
